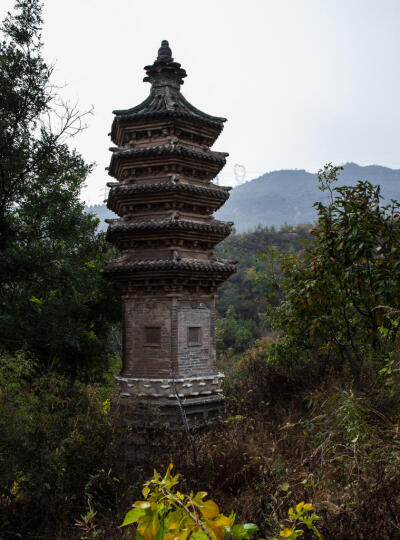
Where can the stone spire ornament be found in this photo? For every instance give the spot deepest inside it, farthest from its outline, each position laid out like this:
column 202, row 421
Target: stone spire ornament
column 164, row 52
column 167, row 272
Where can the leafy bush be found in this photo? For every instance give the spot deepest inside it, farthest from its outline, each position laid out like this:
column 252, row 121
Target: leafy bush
column 52, row 437
column 341, row 295
column 168, row 514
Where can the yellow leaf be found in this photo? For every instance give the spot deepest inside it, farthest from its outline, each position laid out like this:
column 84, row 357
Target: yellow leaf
column 308, row 507
column 149, row 524
column 217, row 532
column 183, row 535
column 222, row 521
column 216, row 526
column 286, row 533
column 291, row 511
column 299, row 506
column 209, row 509
column 145, row 491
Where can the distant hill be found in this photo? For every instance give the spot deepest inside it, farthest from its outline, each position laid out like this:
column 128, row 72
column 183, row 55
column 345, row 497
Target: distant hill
column 287, row 196
column 101, row 212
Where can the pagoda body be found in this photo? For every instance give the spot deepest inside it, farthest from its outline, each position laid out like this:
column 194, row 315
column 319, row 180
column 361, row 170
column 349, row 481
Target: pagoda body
column 167, row 272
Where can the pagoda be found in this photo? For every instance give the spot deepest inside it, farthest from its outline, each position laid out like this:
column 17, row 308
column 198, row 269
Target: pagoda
column 167, row 272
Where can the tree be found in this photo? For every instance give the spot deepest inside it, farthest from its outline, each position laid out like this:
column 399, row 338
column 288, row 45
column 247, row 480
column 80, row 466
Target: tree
column 341, row 296
column 53, row 300
column 235, row 334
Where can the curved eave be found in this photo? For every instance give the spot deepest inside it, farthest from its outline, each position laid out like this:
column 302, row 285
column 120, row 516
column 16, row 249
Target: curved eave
column 189, row 265
column 200, row 114
column 160, row 115
column 217, row 227
column 212, row 196
column 118, row 232
column 178, row 108
column 166, row 187
column 164, row 150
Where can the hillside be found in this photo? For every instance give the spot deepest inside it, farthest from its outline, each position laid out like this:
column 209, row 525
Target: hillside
column 286, row 196
column 101, row 212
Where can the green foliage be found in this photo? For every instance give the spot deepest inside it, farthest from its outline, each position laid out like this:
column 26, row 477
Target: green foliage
column 302, row 514
column 53, row 300
column 341, row 296
column 168, row 514
column 245, row 298
column 53, row 436
column 244, row 291
column 235, row 334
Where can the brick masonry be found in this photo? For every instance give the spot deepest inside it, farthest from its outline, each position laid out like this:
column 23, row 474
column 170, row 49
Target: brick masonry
column 141, row 359
column 147, row 367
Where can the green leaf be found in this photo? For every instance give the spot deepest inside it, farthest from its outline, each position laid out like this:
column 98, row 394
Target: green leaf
column 162, row 531
column 35, row 300
column 199, row 535
column 251, row 528
column 238, row 531
column 132, row 516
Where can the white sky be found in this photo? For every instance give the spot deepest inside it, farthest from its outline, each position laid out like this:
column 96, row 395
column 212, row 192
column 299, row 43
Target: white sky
column 302, row 82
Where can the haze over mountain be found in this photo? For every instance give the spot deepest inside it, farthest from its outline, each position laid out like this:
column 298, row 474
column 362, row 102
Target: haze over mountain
column 287, row 196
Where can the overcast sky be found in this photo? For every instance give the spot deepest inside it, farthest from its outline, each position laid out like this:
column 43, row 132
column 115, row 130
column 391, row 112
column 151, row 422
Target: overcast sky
column 301, row 82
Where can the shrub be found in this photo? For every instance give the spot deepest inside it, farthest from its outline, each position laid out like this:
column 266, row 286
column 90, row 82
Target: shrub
column 341, row 295
column 52, row 437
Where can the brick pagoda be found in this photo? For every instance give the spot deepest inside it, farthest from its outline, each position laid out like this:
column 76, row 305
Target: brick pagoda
column 167, row 272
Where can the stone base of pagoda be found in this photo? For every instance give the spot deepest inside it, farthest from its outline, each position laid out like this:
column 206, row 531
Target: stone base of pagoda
column 197, row 400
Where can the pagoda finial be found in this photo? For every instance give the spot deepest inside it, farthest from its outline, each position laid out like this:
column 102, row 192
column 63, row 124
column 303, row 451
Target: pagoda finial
column 164, row 52
column 164, row 71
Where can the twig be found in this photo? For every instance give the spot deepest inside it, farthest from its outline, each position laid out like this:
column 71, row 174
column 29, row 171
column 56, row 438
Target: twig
column 198, row 522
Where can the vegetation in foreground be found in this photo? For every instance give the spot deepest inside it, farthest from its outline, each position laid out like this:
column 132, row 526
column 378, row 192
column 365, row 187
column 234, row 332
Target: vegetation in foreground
column 312, row 385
